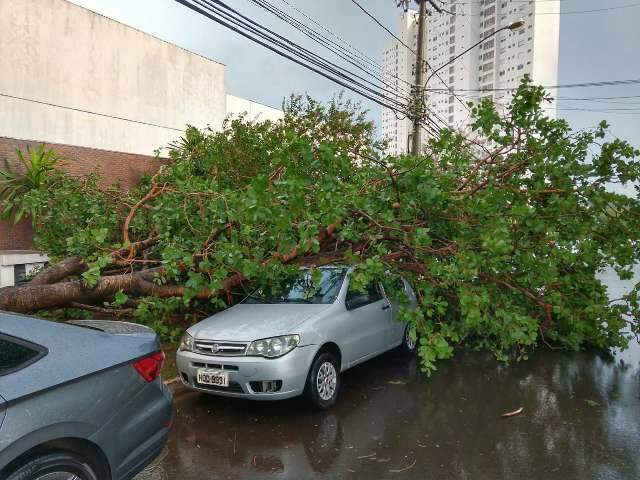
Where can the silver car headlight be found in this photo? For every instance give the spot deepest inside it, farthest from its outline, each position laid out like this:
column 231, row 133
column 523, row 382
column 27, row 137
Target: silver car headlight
column 187, row 343
column 273, row 347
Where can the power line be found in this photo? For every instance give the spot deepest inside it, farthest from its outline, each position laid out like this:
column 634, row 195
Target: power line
column 286, row 44
column 574, row 12
column 481, row 2
column 106, row 115
column 573, row 85
column 615, row 111
column 410, row 49
column 325, row 42
column 292, row 51
column 290, row 46
column 600, row 99
column 335, row 35
column 312, row 33
column 383, row 26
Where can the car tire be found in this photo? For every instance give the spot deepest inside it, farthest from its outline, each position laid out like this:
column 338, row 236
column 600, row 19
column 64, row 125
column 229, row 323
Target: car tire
column 408, row 346
column 323, row 383
column 59, row 462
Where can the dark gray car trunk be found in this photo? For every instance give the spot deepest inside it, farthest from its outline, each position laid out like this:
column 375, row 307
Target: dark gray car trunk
column 73, row 351
column 113, row 327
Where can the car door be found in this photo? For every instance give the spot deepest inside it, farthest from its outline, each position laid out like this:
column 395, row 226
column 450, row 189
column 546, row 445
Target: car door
column 367, row 317
column 3, row 409
column 396, row 327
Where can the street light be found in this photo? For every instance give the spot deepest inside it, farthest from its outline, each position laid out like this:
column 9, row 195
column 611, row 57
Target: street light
column 517, row 25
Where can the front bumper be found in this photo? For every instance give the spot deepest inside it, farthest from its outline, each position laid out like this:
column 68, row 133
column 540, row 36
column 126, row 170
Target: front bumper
column 292, row 369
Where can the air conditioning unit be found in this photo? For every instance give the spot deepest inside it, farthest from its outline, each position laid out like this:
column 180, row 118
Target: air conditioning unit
column 16, row 265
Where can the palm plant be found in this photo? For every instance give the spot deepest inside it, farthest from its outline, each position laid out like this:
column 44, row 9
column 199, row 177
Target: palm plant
column 38, row 164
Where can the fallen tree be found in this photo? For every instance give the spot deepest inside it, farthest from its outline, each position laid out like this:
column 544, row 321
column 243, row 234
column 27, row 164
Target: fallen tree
column 503, row 235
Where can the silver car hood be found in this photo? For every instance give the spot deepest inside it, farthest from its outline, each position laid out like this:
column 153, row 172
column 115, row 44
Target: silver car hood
column 246, row 322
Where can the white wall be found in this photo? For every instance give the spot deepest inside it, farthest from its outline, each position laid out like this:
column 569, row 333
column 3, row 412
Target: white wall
column 9, row 259
column 57, row 52
column 254, row 111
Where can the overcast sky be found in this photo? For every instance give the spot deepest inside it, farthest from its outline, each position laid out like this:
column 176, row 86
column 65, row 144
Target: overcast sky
column 594, row 47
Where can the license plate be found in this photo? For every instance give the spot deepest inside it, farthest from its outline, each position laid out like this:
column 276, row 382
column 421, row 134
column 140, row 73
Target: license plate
column 213, row 377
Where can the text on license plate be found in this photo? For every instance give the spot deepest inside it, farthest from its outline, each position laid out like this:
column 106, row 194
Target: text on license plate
column 213, row 377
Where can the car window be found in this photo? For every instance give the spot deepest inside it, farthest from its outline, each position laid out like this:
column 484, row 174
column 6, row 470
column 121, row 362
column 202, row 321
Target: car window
column 373, row 293
column 394, row 287
column 321, row 288
column 16, row 354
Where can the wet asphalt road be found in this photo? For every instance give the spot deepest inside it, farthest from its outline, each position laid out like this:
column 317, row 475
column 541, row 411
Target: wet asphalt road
column 581, row 420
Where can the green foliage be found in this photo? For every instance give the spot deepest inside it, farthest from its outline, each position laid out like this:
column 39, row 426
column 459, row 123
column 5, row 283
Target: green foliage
column 154, row 314
column 503, row 242
column 38, row 168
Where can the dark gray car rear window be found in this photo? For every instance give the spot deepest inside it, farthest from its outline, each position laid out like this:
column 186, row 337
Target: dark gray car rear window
column 16, row 354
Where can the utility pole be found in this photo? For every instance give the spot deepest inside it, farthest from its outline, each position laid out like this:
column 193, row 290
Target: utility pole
column 416, row 139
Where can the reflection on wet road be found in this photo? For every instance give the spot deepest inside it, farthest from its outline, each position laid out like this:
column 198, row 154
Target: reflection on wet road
column 581, row 420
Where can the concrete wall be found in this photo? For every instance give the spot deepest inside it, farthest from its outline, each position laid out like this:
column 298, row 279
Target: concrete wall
column 10, row 259
column 103, row 95
column 253, row 110
column 56, row 52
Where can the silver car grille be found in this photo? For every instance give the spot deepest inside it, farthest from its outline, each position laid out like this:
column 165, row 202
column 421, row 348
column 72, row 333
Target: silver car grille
column 226, row 349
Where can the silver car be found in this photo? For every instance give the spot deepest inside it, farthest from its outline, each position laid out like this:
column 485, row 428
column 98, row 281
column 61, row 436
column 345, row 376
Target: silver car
column 276, row 346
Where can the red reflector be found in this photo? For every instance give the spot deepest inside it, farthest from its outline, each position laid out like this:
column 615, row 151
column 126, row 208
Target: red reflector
column 149, row 367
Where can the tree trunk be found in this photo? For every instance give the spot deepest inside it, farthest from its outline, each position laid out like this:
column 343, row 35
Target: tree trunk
column 60, row 271
column 31, row 298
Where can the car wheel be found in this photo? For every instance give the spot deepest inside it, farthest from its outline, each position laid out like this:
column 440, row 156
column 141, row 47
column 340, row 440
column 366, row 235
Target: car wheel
column 324, row 381
column 409, row 345
column 55, row 466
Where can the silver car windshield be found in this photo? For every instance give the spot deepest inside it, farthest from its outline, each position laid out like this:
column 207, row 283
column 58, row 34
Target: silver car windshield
column 321, row 287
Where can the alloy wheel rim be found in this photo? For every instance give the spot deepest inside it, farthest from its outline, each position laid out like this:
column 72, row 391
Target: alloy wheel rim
column 411, row 343
column 58, row 476
column 326, row 381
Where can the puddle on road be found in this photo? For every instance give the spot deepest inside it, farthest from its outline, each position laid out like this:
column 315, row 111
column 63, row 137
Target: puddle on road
column 581, row 419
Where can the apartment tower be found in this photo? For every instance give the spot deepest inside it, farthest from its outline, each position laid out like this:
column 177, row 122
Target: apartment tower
column 493, row 69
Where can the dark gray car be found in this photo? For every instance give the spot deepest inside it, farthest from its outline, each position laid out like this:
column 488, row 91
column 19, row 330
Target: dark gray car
column 82, row 401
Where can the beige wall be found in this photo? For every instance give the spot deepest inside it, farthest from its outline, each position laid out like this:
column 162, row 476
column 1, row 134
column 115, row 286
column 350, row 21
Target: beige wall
column 57, row 52
column 253, row 110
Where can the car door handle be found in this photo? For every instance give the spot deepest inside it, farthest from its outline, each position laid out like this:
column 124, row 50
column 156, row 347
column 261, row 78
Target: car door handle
column 386, row 307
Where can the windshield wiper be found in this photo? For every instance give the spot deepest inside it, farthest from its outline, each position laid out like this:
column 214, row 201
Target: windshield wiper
column 296, row 300
column 258, row 299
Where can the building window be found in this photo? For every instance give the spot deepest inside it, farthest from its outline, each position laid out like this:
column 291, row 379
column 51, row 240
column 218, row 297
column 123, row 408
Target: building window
column 19, row 274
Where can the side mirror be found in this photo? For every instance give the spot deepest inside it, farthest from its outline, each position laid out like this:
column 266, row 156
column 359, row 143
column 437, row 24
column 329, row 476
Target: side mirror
column 357, row 301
